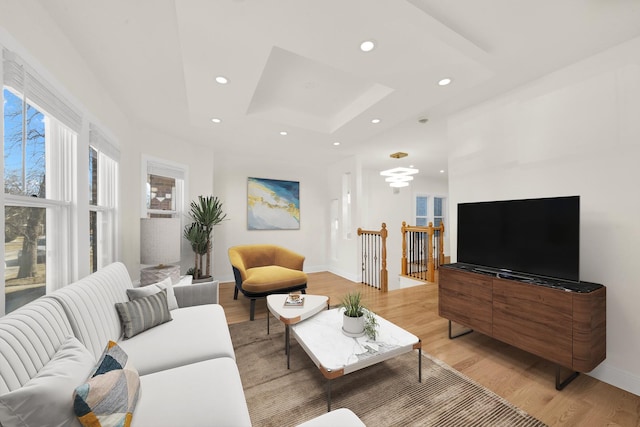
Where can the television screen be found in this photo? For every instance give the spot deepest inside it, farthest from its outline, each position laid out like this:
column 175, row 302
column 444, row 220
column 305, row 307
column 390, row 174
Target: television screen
column 539, row 237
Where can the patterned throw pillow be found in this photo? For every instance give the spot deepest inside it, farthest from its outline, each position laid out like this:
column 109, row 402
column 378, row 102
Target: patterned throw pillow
column 143, row 313
column 109, row 396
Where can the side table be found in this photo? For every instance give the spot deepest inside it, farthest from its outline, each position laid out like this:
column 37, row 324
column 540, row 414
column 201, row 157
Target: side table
column 313, row 304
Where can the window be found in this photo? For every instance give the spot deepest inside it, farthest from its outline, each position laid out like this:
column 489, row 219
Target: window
column 39, row 141
column 163, row 188
column 44, row 200
column 161, row 196
column 25, row 220
column 103, row 197
column 421, row 211
column 37, row 151
column 438, row 212
column 433, row 212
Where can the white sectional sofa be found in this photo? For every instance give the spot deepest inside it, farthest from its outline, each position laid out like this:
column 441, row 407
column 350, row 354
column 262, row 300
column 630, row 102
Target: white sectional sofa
column 187, row 370
column 188, row 374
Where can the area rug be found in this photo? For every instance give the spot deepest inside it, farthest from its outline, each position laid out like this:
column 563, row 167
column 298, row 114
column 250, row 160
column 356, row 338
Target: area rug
column 386, row 394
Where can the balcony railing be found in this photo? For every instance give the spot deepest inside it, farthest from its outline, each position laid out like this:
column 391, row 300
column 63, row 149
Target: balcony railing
column 373, row 255
column 422, row 251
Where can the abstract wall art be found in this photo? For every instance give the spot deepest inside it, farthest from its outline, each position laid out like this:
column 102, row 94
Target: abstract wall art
column 273, row 204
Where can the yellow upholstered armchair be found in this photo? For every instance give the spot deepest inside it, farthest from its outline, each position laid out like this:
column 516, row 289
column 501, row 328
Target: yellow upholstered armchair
column 261, row 270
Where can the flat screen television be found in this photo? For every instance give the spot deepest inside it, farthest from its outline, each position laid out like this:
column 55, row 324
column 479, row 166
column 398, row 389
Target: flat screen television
column 539, row 237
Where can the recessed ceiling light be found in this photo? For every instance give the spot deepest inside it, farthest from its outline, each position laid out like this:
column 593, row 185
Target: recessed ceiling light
column 283, row 133
column 444, row 82
column 336, row 143
column 441, row 170
column 375, row 121
column 367, row 45
column 216, row 120
column 222, row 80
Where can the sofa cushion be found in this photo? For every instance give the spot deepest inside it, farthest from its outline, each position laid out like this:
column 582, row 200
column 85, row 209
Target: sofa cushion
column 200, row 293
column 143, row 313
column 196, row 333
column 110, row 395
column 272, row 277
column 90, row 306
column 145, row 291
column 46, row 398
column 211, row 395
column 29, row 338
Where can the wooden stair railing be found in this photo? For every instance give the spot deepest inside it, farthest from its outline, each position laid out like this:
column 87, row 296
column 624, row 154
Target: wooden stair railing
column 373, row 249
column 421, row 253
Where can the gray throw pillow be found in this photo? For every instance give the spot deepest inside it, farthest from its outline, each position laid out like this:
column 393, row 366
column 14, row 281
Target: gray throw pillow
column 143, row 313
column 147, row 290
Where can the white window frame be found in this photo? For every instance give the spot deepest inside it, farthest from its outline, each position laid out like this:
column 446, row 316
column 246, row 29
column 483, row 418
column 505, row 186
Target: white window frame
column 161, row 167
column 60, row 151
column 67, row 201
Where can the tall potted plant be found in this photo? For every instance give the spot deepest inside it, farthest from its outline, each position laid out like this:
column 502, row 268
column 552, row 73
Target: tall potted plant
column 205, row 213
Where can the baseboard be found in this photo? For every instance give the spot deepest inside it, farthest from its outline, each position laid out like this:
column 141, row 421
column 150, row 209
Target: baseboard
column 225, row 278
column 408, row 282
column 344, row 274
column 315, row 269
column 617, row 378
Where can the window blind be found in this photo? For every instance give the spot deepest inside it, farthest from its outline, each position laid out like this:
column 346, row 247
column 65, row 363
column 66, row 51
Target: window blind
column 25, row 80
column 160, row 169
column 99, row 141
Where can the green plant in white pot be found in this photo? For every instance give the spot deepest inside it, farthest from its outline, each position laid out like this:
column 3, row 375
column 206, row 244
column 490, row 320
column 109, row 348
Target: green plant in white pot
column 357, row 320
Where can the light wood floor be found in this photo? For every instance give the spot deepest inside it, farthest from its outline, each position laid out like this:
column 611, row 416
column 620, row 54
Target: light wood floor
column 523, row 379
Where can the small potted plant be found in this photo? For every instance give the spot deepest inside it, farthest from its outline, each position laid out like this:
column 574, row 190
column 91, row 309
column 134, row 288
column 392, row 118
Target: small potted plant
column 353, row 316
column 357, row 319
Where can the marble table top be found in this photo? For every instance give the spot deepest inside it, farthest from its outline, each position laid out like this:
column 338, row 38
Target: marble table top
column 291, row 315
column 336, row 354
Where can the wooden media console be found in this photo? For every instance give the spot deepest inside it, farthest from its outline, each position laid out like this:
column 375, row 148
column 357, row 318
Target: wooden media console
column 564, row 323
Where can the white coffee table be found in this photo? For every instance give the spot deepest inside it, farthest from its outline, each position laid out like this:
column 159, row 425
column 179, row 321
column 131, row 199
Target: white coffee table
column 313, row 304
column 336, row 354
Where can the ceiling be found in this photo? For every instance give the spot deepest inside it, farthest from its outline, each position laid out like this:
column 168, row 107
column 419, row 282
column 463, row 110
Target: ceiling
column 296, row 66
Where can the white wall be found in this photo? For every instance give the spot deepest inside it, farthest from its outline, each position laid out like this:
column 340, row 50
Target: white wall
column 373, row 202
column 344, row 258
column 46, row 49
column 198, row 162
column 230, row 185
column 383, row 204
column 574, row 132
